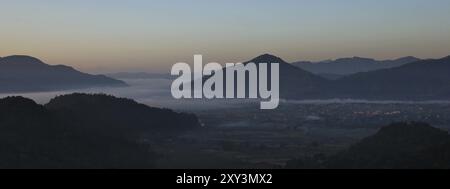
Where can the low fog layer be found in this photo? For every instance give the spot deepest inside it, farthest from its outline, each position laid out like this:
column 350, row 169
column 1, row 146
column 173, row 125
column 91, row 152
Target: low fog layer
column 152, row 92
column 156, row 92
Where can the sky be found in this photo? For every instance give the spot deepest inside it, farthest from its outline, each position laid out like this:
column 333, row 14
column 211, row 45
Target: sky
column 101, row 36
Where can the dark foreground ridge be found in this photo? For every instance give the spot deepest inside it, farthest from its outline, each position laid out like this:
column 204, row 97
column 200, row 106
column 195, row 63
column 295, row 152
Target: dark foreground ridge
column 397, row 146
column 83, row 131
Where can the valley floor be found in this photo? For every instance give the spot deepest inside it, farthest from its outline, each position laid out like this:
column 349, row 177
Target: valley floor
column 247, row 137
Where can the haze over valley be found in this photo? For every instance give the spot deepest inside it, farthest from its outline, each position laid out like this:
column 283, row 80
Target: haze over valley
column 88, row 84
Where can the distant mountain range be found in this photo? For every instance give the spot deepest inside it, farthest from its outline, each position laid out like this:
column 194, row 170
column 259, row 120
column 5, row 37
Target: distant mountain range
column 346, row 66
column 419, row 80
column 29, row 74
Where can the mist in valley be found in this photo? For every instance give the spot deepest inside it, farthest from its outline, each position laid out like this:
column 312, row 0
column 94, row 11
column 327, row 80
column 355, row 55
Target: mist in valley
column 237, row 134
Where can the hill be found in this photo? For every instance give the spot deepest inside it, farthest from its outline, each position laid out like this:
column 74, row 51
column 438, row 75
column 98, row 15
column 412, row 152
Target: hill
column 28, row 74
column 399, row 146
column 405, row 145
column 57, row 136
column 99, row 111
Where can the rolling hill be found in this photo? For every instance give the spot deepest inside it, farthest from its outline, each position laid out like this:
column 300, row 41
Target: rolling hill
column 83, row 131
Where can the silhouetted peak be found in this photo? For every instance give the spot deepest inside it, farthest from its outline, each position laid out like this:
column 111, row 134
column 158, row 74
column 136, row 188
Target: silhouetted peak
column 267, row 58
column 20, row 59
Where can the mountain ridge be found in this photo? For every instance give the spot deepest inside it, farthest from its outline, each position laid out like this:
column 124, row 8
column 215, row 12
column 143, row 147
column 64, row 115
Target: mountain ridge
column 22, row 73
column 352, row 65
column 290, row 77
column 410, row 81
column 421, row 80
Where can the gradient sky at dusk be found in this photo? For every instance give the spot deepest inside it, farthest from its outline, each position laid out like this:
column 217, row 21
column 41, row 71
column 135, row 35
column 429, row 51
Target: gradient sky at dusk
column 151, row 35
